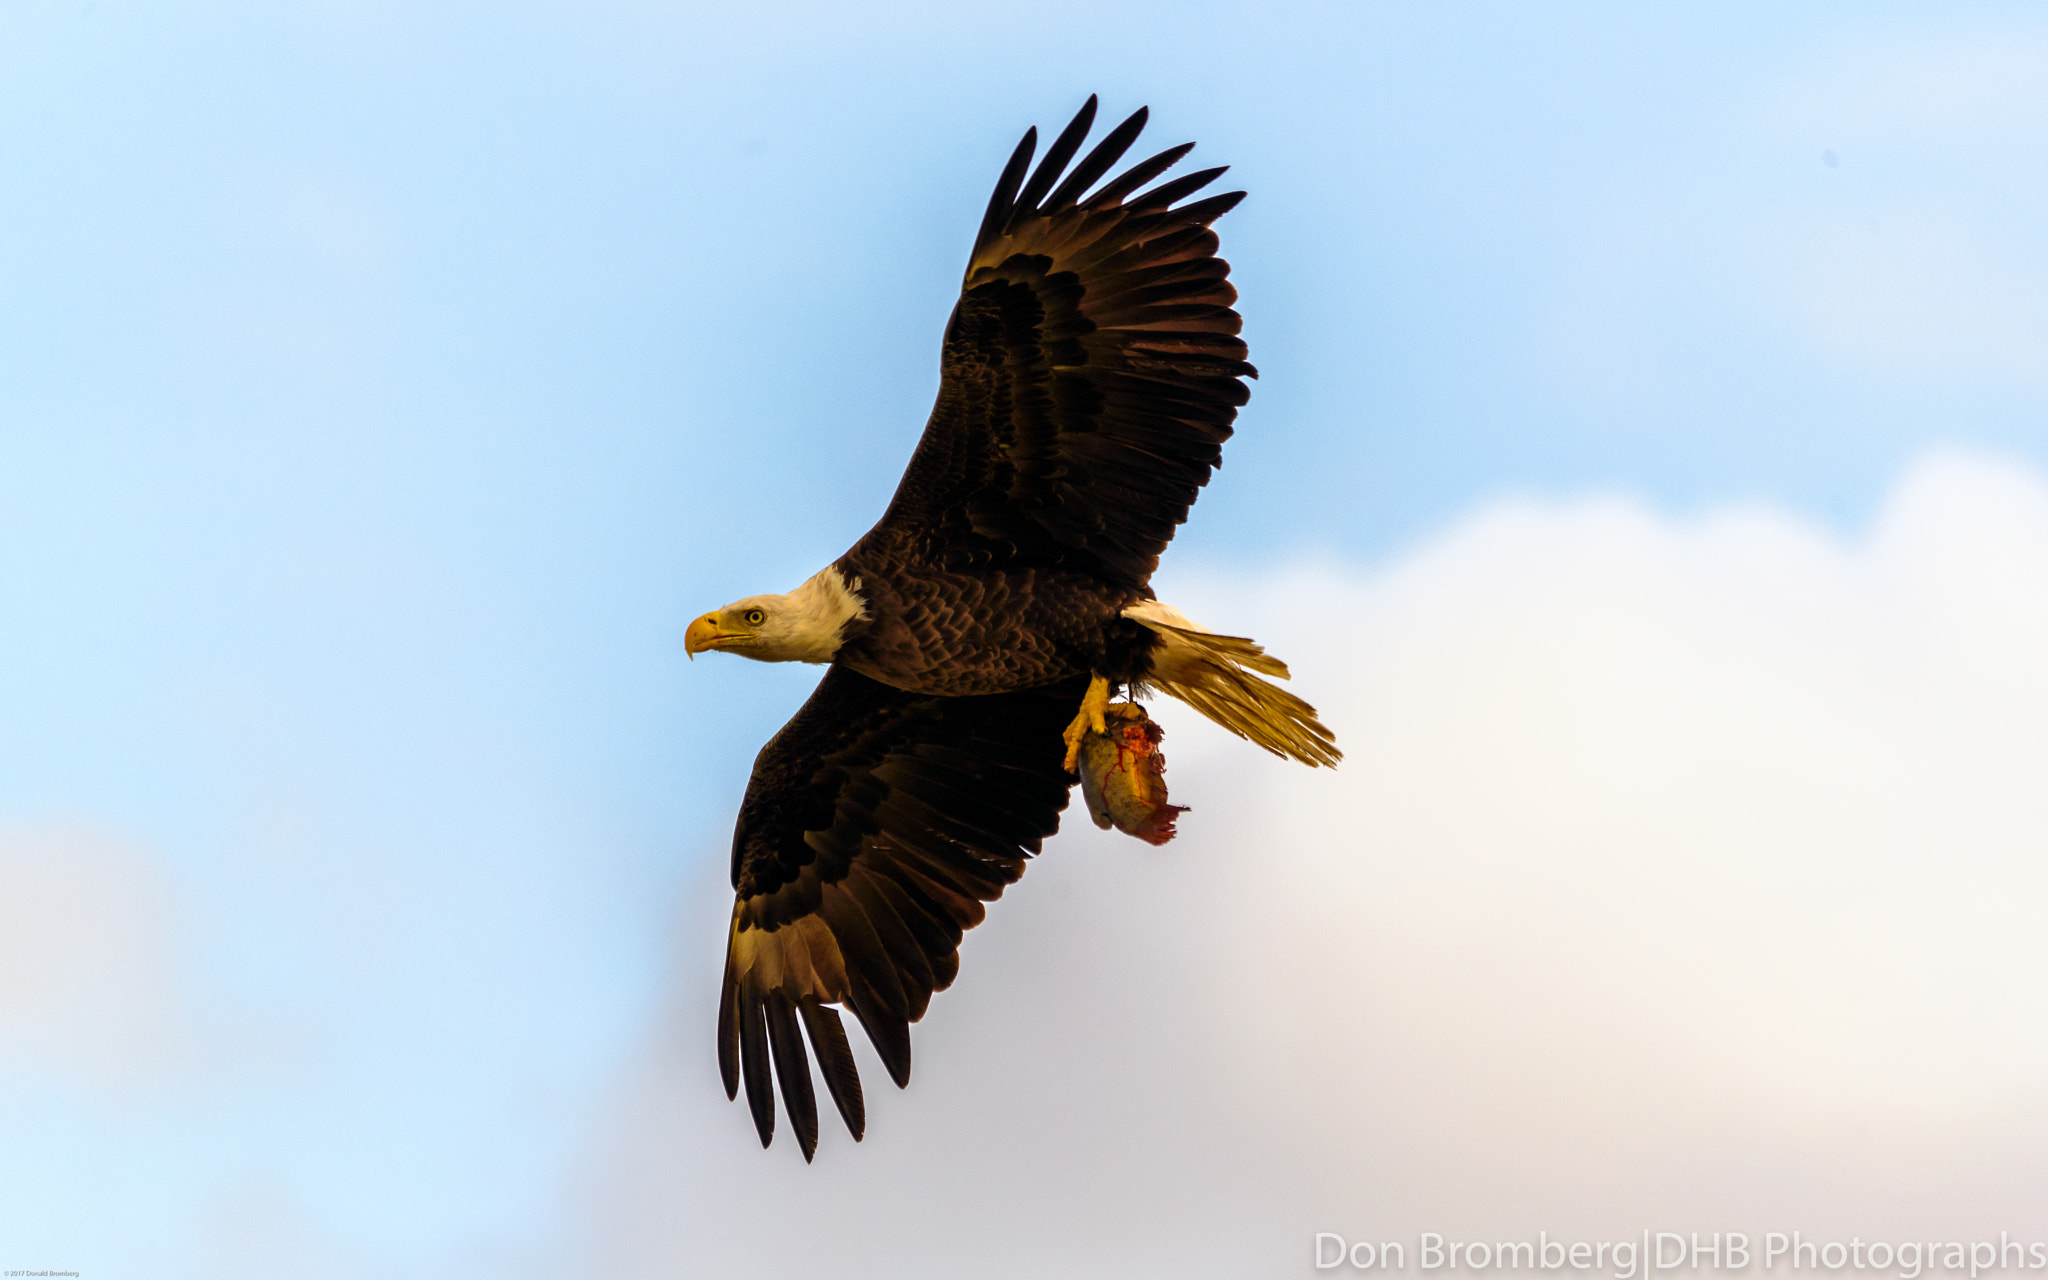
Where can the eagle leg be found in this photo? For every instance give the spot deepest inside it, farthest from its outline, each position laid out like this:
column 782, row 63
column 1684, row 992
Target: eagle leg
column 1087, row 720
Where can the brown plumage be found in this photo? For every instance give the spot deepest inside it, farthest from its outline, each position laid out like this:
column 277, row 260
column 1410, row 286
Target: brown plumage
column 1090, row 375
column 876, row 824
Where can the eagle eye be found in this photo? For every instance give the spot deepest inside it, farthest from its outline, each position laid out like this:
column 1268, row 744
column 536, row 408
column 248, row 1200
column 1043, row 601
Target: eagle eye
column 754, row 617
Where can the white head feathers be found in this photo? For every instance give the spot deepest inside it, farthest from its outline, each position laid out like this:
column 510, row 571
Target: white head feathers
column 805, row 625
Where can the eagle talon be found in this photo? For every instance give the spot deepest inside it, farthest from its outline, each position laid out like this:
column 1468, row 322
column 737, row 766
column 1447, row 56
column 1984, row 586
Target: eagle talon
column 1089, row 719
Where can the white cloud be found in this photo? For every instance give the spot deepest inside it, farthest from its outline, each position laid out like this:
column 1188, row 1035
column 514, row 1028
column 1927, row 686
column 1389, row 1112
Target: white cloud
column 90, row 976
column 1687, row 875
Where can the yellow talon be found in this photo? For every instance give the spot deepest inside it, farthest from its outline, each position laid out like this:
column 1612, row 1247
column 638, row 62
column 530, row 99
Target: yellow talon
column 1087, row 720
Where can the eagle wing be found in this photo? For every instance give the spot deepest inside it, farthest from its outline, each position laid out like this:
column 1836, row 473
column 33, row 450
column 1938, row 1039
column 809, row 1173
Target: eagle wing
column 1090, row 373
column 875, row 826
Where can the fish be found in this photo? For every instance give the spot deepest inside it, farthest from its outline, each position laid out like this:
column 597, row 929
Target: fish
column 1123, row 776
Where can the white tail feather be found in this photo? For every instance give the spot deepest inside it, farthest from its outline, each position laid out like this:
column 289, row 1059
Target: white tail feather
column 1214, row 675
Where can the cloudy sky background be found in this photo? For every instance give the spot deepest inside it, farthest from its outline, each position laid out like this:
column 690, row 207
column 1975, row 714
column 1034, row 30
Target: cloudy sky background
column 1649, row 478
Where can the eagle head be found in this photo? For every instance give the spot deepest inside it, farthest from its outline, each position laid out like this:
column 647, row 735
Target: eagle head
column 805, row 625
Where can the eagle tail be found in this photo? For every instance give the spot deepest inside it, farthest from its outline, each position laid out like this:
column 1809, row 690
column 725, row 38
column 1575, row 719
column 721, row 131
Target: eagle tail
column 1219, row 676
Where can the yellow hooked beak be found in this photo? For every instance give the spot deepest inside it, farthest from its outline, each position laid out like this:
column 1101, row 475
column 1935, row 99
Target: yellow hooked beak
column 703, row 634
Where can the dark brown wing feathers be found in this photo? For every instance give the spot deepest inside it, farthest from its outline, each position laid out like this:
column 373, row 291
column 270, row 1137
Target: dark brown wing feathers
column 1099, row 161
column 1056, row 157
column 876, row 824
column 1091, row 373
column 1094, row 338
column 1141, row 173
column 835, row 1062
column 792, row 1071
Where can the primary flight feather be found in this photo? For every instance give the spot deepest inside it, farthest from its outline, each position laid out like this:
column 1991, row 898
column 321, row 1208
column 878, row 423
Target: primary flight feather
column 1090, row 374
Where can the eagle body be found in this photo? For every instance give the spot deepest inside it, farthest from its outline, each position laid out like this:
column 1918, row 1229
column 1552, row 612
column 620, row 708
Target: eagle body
column 1091, row 373
column 957, row 633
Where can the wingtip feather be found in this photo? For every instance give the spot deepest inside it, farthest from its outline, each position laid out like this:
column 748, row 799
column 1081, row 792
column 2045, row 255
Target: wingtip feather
column 1099, row 161
column 1056, row 156
column 793, row 1072
column 754, row 1067
column 999, row 201
column 835, row 1061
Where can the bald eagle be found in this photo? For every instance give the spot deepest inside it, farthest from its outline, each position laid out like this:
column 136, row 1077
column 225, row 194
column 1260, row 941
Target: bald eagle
column 1090, row 374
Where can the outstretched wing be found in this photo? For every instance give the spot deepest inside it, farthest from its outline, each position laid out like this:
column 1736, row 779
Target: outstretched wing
column 1091, row 371
column 875, row 826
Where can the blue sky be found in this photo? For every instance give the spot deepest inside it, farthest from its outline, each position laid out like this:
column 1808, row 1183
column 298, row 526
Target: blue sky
column 383, row 388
